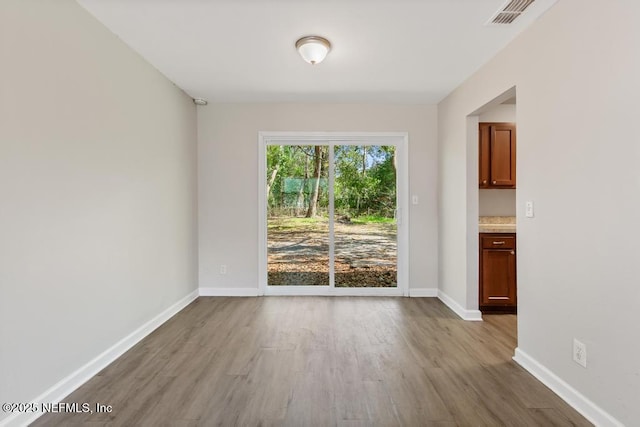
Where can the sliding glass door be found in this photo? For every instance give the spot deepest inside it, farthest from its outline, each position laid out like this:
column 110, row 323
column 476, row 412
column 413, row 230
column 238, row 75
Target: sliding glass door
column 297, row 189
column 330, row 214
column 365, row 206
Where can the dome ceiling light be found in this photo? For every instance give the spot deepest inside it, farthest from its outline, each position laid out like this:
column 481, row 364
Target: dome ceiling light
column 313, row 49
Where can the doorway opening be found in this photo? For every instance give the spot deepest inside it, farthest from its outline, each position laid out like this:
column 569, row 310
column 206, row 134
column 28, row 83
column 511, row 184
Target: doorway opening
column 491, row 210
column 331, row 217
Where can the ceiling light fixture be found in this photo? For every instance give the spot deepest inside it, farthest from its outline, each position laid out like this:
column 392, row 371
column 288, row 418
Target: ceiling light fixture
column 200, row 101
column 313, row 49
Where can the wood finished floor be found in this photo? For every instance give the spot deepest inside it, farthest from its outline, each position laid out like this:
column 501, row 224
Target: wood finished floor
column 321, row 361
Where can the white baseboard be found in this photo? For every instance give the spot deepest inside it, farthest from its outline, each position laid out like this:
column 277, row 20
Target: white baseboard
column 327, row 291
column 315, row 291
column 471, row 315
column 72, row 382
column 423, row 292
column 228, row 292
column 579, row 402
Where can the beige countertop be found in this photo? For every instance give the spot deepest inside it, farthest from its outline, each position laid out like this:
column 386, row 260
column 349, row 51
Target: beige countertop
column 497, row 224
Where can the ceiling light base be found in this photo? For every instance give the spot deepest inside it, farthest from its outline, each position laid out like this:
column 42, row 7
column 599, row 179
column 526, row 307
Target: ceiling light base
column 313, row 49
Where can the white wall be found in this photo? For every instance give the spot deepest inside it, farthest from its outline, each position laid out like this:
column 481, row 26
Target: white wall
column 499, row 113
column 228, row 179
column 576, row 73
column 98, row 213
column 498, row 202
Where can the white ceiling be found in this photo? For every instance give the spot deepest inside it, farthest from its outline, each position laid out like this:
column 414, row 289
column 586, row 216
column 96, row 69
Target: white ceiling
column 405, row 51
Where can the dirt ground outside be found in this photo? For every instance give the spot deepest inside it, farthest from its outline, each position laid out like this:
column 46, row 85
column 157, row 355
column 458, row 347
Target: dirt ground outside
column 298, row 253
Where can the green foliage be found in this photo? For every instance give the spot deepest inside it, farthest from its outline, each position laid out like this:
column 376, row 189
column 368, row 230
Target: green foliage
column 290, row 171
column 372, row 219
column 297, row 225
column 365, row 180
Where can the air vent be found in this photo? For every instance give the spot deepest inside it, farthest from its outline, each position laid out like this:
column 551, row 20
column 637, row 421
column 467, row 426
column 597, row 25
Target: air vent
column 510, row 12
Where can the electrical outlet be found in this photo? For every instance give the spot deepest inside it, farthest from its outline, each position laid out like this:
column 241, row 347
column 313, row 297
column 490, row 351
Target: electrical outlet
column 579, row 353
column 223, row 269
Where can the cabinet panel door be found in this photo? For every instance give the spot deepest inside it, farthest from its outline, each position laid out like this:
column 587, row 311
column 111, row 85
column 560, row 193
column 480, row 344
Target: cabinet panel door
column 498, row 277
column 484, row 155
column 503, row 155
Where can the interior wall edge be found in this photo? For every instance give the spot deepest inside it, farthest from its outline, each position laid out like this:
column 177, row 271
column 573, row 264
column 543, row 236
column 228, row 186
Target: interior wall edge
column 463, row 313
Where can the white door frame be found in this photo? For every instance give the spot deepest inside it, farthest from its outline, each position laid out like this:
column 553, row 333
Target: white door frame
column 398, row 139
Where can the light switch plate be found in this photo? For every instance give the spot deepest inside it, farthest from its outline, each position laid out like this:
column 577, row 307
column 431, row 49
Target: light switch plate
column 528, row 210
column 414, row 199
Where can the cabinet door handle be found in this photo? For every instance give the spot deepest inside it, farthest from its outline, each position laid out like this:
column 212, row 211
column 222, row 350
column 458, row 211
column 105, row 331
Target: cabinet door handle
column 513, row 252
column 484, row 182
column 495, row 182
column 500, row 298
column 498, row 243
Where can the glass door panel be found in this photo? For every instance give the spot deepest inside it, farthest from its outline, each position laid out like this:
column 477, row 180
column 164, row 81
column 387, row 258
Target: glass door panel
column 365, row 228
column 297, row 215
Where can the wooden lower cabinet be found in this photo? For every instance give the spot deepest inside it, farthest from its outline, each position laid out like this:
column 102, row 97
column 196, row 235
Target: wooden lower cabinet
column 498, row 273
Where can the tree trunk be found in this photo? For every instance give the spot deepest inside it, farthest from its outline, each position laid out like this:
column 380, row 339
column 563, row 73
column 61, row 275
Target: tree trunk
column 303, row 187
column 272, row 179
column 317, row 169
column 364, row 160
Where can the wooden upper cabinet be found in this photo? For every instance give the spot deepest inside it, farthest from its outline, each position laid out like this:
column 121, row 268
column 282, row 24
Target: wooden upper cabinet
column 485, row 155
column 497, row 154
